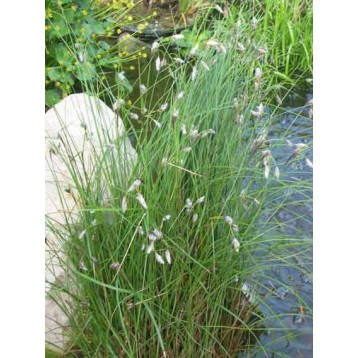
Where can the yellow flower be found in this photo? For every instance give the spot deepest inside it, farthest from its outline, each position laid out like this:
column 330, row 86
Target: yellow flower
column 84, row 12
column 74, row 7
column 155, row 13
column 99, row 56
column 129, row 102
column 132, row 67
column 130, row 18
column 145, row 55
column 57, row 84
column 119, row 31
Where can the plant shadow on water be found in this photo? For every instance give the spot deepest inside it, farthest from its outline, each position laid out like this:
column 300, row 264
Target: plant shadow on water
column 286, row 289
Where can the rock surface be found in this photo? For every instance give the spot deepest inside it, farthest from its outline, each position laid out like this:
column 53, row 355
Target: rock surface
column 78, row 131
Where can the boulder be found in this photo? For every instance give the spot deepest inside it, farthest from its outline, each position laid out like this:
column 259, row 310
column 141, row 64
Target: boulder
column 79, row 130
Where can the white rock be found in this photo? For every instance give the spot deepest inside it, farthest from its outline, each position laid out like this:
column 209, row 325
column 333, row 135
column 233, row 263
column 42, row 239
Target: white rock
column 76, row 130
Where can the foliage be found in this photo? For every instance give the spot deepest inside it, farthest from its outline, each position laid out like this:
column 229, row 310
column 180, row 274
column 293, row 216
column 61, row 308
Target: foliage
column 285, row 30
column 205, row 190
column 208, row 197
column 79, row 47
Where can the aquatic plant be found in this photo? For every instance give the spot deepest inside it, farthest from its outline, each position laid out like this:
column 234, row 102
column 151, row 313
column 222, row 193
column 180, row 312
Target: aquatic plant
column 81, row 43
column 171, row 261
column 284, row 30
column 161, row 261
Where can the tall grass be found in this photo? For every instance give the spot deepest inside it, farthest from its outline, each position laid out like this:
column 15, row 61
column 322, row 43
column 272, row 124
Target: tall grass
column 165, row 278
column 284, row 30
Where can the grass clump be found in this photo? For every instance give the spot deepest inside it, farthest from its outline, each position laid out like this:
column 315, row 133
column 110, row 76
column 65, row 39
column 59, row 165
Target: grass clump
column 160, row 259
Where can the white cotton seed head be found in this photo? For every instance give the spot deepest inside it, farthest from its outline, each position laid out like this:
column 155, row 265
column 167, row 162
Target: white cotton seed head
column 140, row 230
column 186, row 149
column 141, row 200
column 81, row 57
column 168, row 257
column 188, row 203
column 205, row 66
column 194, row 133
column 239, row 119
column 134, row 116
column 205, row 133
column 177, row 37
column 82, row 266
column 277, row 172
column 183, row 129
column 240, row 47
column 193, row 50
column 218, row 8
column 158, row 234
column 166, row 217
column 179, row 60
column 236, row 244
column 159, row 259
column 194, row 73
column 258, row 73
column 254, row 23
column 235, row 228
column 176, row 113
column 142, row 89
column 152, row 237
column 82, row 234
column 200, row 200
column 266, row 171
column 228, row 219
column 164, row 107
column 115, row 266
column 121, row 76
column 135, row 185
column 309, row 163
column 195, row 217
column 150, row 248
column 154, row 47
column 124, row 204
column 158, row 64
column 157, row 124
column 180, row 95
column 212, row 43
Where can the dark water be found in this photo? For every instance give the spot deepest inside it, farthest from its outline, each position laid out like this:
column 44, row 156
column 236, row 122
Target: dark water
column 288, row 290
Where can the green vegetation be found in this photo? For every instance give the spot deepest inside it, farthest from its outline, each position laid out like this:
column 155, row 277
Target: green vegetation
column 159, row 262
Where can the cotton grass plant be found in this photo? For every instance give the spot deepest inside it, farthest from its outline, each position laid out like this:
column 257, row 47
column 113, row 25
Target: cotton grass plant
column 159, row 260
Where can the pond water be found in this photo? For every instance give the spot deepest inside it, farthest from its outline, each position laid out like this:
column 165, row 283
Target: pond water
column 288, row 290
column 162, row 19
